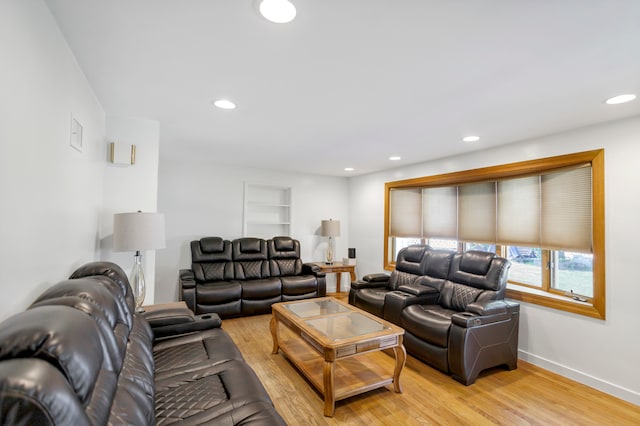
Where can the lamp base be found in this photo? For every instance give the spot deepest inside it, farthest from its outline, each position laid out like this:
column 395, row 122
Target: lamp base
column 329, row 260
column 137, row 281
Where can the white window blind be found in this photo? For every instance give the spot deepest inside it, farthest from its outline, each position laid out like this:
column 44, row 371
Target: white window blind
column 519, row 211
column 440, row 212
column 566, row 221
column 550, row 210
column 477, row 212
column 405, row 212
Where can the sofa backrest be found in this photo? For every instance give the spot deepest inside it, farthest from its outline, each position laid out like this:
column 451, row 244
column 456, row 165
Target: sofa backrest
column 250, row 258
column 437, row 266
column 212, row 259
column 215, row 259
column 411, row 263
column 474, row 276
column 63, row 345
column 112, row 276
column 284, row 256
column 90, row 296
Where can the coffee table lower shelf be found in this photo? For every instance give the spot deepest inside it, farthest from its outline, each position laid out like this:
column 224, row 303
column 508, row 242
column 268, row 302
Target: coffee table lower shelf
column 352, row 375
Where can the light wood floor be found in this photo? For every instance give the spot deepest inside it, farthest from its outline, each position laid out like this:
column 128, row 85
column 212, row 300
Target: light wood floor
column 528, row 395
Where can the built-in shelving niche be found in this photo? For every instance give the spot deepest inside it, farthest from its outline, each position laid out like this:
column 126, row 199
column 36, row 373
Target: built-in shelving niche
column 267, row 210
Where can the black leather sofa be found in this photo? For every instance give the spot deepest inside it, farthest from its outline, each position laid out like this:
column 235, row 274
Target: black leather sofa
column 247, row 275
column 80, row 355
column 451, row 306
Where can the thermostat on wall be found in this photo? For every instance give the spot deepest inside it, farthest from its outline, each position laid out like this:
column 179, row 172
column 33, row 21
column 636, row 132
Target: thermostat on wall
column 122, row 153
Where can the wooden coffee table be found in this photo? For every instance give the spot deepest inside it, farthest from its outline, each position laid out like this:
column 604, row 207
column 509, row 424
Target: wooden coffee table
column 330, row 342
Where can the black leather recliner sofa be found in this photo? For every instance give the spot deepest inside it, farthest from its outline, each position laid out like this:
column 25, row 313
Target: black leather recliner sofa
column 451, row 306
column 247, row 275
column 80, row 355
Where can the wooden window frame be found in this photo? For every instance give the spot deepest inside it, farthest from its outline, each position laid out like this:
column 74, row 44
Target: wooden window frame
column 594, row 307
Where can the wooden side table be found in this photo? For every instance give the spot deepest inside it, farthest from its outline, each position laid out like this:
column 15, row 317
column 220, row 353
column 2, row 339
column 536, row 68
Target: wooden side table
column 337, row 268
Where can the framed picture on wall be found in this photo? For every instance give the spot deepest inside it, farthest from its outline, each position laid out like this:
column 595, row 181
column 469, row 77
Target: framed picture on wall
column 75, row 139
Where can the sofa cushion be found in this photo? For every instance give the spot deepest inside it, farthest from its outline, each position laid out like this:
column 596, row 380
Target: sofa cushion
column 481, row 270
column 438, row 263
column 219, row 292
column 285, row 246
column 285, row 267
column 112, row 276
column 298, row 285
column 476, row 262
column 430, row 323
column 87, row 295
column 251, row 270
column 249, row 249
column 461, row 296
column 173, row 356
column 204, row 395
column 212, row 245
column 371, row 300
column 399, row 278
column 34, row 392
column 210, row 249
column 412, row 260
column 261, row 289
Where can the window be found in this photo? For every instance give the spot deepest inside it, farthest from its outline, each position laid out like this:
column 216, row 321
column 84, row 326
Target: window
column 546, row 216
column 400, row 243
column 526, row 265
column 573, row 273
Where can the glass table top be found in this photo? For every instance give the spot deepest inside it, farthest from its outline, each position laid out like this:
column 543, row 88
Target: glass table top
column 334, row 320
column 316, row 308
column 345, row 326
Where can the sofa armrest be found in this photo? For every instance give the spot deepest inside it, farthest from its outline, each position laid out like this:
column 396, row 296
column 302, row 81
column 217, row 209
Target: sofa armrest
column 478, row 314
column 376, row 278
column 371, row 281
column 173, row 321
column 312, row 269
column 358, row 285
column 187, row 278
column 420, row 290
column 187, row 288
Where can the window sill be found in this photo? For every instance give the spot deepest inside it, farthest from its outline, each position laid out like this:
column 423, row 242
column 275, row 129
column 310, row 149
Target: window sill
column 550, row 300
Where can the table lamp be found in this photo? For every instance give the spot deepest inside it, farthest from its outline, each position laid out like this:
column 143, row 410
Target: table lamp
column 137, row 232
column 330, row 228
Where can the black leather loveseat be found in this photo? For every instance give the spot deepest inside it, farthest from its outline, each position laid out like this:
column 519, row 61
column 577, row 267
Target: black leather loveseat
column 247, row 275
column 451, row 306
column 79, row 355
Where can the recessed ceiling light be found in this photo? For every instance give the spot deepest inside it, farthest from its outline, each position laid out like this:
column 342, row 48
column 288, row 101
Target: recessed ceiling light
column 278, row 11
column 394, row 158
column 471, row 138
column 620, row 99
column 348, row 169
column 224, row 104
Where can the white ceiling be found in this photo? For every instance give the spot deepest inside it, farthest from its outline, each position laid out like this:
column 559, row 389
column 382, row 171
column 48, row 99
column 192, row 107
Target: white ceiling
column 349, row 83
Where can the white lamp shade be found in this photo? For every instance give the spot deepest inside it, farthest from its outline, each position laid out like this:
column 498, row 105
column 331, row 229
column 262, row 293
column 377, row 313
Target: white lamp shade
column 330, row 228
column 138, row 231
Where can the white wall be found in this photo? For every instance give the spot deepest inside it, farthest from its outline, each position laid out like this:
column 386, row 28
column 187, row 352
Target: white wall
column 129, row 188
column 51, row 194
column 601, row 354
column 201, row 198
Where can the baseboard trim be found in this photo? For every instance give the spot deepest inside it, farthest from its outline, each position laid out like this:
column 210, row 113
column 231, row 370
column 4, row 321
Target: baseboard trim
column 602, row 385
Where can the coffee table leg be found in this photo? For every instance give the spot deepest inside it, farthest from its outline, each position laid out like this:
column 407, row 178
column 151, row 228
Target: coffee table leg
column 401, row 357
column 329, row 389
column 273, row 325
